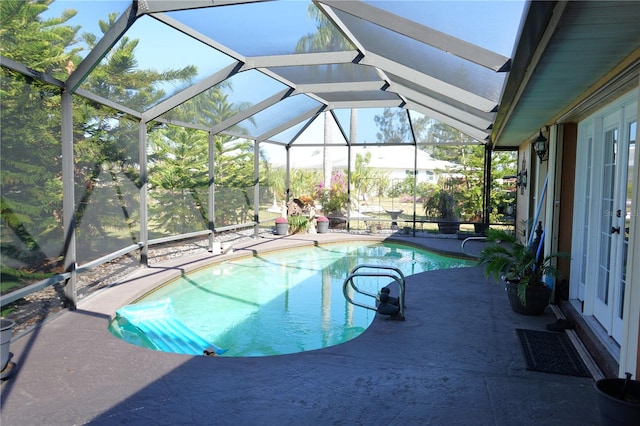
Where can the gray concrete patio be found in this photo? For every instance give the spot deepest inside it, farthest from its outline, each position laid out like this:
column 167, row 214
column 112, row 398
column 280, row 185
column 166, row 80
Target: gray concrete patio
column 455, row 360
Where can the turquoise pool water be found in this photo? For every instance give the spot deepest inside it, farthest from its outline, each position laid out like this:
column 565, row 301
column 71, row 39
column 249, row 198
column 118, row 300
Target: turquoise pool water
column 287, row 301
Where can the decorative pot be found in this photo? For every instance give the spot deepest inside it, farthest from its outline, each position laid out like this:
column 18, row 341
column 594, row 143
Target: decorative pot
column 323, row 225
column 618, row 401
column 480, row 227
column 282, row 227
column 6, row 330
column 537, row 299
column 448, row 227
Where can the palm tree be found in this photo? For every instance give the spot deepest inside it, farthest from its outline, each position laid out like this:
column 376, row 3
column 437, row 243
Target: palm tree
column 327, row 38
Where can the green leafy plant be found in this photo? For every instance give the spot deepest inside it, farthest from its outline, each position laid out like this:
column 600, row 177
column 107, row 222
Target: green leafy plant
column 507, row 258
column 298, row 223
column 442, row 205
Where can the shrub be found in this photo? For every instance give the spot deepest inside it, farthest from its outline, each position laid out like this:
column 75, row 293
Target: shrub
column 298, row 224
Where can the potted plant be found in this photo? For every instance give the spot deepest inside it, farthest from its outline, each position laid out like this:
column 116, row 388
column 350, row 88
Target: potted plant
column 443, row 206
column 282, row 226
column 298, row 223
column 507, row 258
column 334, row 198
column 323, row 224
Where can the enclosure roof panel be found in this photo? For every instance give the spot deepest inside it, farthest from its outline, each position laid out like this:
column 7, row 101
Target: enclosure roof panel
column 444, row 59
column 258, row 29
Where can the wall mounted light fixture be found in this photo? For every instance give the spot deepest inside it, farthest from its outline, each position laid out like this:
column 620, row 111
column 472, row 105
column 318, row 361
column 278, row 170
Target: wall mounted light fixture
column 540, row 146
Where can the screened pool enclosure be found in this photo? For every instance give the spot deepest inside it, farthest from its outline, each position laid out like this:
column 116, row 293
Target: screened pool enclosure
column 130, row 123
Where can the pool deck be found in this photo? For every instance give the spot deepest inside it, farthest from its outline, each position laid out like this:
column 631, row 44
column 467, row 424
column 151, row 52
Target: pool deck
column 456, row 360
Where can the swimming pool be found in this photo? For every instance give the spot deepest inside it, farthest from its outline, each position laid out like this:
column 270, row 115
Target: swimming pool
column 283, row 302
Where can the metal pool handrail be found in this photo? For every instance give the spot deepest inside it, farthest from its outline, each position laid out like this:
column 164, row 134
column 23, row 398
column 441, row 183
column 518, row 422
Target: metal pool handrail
column 470, row 239
column 396, row 275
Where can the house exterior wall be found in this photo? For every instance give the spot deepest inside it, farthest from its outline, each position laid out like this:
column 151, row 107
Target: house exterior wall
column 422, row 175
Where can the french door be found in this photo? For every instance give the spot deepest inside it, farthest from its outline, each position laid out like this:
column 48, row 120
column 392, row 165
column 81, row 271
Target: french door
column 617, row 162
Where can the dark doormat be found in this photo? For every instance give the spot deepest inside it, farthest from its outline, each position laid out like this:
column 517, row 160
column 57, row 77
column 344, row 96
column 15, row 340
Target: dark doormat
column 551, row 352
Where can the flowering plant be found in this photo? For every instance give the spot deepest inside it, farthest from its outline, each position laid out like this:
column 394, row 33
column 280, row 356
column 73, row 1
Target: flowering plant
column 334, row 198
column 281, row 220
column 306, row 200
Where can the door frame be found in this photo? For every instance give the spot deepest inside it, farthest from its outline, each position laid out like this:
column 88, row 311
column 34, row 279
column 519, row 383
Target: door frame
column 591, row 132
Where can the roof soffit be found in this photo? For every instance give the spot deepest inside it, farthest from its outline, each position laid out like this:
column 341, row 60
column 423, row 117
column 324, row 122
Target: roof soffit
column 564, row 51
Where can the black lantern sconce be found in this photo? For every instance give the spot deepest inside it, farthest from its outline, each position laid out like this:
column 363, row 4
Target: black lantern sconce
column 540, row 147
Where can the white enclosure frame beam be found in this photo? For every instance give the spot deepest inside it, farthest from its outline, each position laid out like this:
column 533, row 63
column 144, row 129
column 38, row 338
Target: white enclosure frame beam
column 256, row 189
column 143, row 192
column 28, row 72
column 103, row 46
column 68, row 200
column 301, row 59
column 341, row 87
column 211, row 188
column 191, row 92
column 475, row 133
column 434, row 84
column 154, row 6
column 284, row 126
column 272, row 100
column 442, row 107
column 389, row 103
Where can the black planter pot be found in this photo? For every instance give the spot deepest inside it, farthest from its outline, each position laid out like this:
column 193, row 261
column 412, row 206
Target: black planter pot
column 537, row 299
column 448, row 227
column 619, row 404
column 480, row 228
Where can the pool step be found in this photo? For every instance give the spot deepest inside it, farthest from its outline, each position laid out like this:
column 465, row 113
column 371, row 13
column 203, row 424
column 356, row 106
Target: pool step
column 156, row 321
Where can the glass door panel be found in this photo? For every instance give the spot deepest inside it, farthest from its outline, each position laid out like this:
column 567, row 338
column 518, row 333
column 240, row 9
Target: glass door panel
column 602, row 307
column 624, row 221
column 586, row 222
